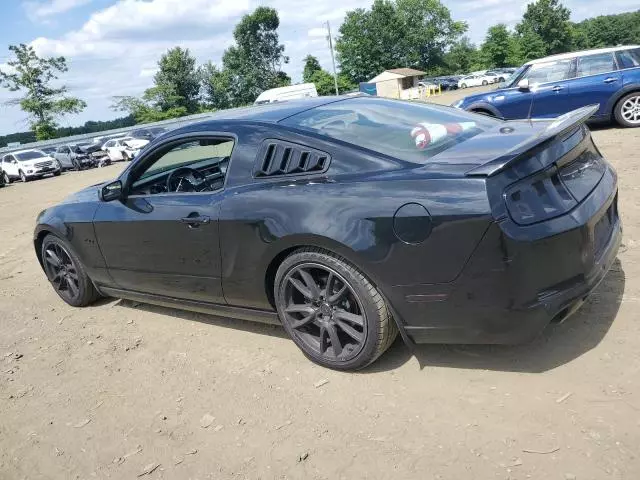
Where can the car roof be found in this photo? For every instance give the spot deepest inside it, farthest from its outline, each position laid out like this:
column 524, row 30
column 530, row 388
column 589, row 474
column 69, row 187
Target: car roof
column 267, row 113
column 581, row 53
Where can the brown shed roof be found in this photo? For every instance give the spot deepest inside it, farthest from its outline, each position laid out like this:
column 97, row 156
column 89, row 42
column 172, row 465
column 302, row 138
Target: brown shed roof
column 406, row 72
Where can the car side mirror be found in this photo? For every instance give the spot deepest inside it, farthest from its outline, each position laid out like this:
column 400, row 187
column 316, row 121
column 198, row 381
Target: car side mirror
column 524, row 85
column 111, row 191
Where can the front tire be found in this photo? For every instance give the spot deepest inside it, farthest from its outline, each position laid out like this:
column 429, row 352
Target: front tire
column 66, row 273
column 464, row 85
column 484, row 83
column 333, row 313
column 125, row 157
column 23, row 177
column 627, row 110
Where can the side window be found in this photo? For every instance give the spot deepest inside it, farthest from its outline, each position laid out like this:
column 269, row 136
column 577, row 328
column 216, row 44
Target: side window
column 595, row 64
column 629, row 58
column 195, row 165
column 109, row 144
column 554, row 71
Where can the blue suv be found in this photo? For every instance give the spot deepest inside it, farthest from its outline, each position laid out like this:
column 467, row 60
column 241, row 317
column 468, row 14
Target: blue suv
column 551, row 86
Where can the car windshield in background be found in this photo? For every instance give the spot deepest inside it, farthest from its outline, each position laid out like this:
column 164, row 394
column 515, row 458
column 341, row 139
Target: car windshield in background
column 404, row 130
column 30, row 155
column 515, row 76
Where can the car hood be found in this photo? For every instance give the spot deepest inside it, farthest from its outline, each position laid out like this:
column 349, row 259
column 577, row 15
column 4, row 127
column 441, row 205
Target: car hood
column 89, row 194
column 479, row 97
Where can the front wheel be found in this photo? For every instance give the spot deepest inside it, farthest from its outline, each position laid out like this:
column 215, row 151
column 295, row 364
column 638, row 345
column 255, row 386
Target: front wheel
column 331, row 310
column 66, row 274
column 23, row 177
column 125, row 157
column 484, row 82
column 464, row 85
column 627, row 110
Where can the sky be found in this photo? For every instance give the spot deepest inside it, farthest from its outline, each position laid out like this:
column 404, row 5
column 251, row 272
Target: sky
column 112, row 46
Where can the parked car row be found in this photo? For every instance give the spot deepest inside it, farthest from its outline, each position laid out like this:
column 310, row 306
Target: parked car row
column 552, row 86
column 29, row 164
column 497, row 75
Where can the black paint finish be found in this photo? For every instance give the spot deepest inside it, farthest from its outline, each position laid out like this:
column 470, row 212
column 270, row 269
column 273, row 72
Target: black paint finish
column 436, row 239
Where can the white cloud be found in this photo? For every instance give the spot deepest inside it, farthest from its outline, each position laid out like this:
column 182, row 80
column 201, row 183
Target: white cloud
column 43, row 9
column 116, row 50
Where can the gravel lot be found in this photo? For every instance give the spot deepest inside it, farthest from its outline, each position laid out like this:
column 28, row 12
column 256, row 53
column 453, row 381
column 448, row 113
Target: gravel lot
column 117, row 389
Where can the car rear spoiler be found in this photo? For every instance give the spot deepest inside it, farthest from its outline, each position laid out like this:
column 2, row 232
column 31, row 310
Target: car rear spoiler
column 556, row 128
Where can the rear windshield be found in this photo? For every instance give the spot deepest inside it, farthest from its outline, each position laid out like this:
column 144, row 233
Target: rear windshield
column 408, row 131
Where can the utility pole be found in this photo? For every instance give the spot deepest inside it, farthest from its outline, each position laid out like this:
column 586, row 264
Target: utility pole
column 333, row 60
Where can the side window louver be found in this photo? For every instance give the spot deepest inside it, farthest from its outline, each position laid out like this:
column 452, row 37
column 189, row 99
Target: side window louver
column 277, row 158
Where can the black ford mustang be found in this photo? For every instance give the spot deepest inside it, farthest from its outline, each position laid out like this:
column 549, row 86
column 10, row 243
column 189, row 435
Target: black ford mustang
column 348, row 220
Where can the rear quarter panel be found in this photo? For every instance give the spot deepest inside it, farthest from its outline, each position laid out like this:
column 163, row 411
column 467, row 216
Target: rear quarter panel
column 348, row 213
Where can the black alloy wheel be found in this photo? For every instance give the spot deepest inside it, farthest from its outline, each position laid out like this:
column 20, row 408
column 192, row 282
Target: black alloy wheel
column 331, row 311
column 66, row 273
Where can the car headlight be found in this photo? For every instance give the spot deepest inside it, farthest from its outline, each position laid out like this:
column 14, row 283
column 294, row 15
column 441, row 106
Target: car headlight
column 457, row 104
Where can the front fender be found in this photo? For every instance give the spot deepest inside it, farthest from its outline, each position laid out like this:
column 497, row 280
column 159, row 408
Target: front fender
column 484, row 106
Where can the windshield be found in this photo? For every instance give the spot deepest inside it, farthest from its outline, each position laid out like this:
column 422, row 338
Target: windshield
column 30, row 155
column 408, row 131
column 515, row 76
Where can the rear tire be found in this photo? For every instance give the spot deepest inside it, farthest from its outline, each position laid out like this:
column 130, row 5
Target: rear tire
column 7, row 180
column 627, row 110
column 464, row 85
column 484, row 82
column 346, row 325
column 66, row 273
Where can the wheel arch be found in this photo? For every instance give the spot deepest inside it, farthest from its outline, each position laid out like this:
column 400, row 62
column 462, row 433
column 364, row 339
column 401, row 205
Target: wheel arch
column 615, row 98
column 481, row 107
column 334, row 247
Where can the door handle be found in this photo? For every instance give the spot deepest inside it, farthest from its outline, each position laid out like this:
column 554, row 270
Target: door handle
column 610, row 80
column 557, row 88
column 195, row 220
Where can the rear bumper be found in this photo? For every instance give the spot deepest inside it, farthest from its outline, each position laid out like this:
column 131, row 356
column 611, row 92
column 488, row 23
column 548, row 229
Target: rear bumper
column 512, row 288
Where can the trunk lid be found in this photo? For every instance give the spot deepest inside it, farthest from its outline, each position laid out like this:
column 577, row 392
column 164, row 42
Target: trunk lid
column 504, row 145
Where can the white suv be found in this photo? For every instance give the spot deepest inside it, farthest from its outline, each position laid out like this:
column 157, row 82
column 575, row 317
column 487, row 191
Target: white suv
column 27, row 165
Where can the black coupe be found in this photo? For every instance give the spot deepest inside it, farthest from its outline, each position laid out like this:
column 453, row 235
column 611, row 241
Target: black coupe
column 348, row 220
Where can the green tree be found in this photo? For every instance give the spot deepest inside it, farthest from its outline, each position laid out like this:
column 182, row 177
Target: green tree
column 311, row 66
column 254, row 63
column 177, row 84
column 215, row 86
column 498, row 47
column 325, row 85
column 529, row 46
column 461, row 56
column 548, row 19
column 393, row 34
column 41, row 101
column 608, row 30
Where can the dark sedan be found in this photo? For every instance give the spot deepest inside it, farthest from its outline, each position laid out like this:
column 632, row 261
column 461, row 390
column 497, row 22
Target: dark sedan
column 348, row 220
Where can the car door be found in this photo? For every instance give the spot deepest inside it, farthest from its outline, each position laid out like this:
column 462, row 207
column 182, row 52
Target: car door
column 597, row 78
column 115, row 151
column 550, row 85
column 166, row 242
column 63, row 156
column 10, row 166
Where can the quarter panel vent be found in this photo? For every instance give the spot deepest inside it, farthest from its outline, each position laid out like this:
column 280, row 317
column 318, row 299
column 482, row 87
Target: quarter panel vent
column 278, row 158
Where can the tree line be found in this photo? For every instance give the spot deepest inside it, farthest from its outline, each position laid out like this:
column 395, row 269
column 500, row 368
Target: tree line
column 390, row 34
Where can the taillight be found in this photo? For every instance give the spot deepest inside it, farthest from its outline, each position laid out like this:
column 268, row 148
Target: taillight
column 553, row 192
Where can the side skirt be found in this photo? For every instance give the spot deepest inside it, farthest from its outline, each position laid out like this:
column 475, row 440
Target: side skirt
column 241, row 313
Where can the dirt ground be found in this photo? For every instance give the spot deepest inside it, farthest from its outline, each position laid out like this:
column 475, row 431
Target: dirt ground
column 118, row 389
